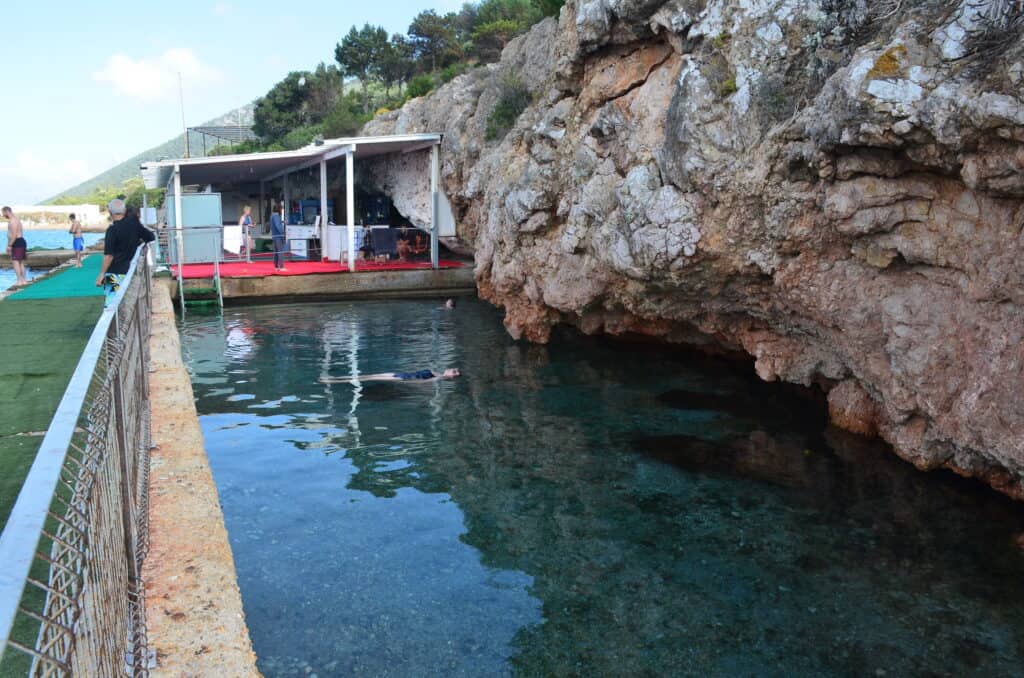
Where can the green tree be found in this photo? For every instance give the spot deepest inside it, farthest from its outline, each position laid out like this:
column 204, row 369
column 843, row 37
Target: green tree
column 497, row 22
column 433, row 38
column 131, row 191
column 523, row 12
column 490, row 39
column 465, row 23
column 300, row 136
column 302, row 99
column 346, row 119
column 360, row 54
column 323, row 90
column 134, row 189
column 396, row 64
column 281, row 109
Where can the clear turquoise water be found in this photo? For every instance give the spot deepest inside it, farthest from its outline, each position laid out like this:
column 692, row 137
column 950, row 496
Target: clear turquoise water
column 584, row 508
column 7, row 276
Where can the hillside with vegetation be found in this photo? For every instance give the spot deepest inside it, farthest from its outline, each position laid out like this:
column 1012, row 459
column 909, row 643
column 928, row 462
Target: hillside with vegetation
column 123, row 179
column 373, row 72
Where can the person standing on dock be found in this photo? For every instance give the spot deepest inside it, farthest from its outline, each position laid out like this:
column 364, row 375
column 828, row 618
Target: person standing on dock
column 119, row 245
column 16, row 245
column 277, row 233
column 77, row 241
column 246, row 223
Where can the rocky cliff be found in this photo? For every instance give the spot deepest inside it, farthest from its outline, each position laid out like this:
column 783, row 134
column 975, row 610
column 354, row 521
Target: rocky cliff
column 834, row 188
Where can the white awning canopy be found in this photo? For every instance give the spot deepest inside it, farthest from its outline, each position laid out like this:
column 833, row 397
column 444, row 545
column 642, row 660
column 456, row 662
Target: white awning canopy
column 256, row 167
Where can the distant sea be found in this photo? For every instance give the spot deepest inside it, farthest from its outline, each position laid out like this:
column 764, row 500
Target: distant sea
column 51, row 240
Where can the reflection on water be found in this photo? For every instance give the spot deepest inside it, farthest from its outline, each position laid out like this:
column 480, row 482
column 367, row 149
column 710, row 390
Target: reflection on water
column 577, row 509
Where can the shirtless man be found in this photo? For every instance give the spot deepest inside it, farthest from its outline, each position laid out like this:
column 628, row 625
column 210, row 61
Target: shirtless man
column 77, row 242
column 16, row 245
column 420, row 376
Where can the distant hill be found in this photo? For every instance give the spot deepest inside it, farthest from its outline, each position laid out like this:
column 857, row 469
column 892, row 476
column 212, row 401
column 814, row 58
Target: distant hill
column 173, row 148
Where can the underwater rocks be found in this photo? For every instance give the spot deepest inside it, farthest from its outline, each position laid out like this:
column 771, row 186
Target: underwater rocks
column 832, row 189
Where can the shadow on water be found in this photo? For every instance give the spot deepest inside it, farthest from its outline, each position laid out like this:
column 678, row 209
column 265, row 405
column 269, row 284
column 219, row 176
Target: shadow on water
column 585, row 507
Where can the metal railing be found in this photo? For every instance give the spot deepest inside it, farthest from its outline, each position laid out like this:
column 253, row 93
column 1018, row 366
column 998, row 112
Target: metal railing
column 174, row 256
column 71, row 594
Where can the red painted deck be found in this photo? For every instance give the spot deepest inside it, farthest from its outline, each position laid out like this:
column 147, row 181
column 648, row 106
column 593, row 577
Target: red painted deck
column 260, row 269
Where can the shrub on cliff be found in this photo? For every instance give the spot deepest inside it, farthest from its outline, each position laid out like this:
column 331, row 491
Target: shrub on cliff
column 345, row 119
column 453, row 71
column 420, row 85
column 513, row 98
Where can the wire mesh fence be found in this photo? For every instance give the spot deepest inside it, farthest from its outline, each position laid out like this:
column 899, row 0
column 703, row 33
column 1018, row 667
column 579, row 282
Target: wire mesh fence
column 71, row 595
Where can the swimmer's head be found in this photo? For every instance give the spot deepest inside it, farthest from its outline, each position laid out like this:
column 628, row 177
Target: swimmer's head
column 451, row 374
column 450, row 303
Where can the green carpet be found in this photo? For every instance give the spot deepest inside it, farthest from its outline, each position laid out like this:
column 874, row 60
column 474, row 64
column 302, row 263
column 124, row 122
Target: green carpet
column 71, row 282
column 43, row 341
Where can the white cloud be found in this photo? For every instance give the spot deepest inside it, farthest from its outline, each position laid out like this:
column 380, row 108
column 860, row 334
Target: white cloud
column 157, row 79
column 31, row 177
column 222, row 8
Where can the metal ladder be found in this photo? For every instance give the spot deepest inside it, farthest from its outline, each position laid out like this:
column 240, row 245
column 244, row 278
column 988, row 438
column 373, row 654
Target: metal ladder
column 203, row 300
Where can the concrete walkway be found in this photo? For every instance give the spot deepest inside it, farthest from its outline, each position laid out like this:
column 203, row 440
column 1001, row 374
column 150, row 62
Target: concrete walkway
column 194, row 613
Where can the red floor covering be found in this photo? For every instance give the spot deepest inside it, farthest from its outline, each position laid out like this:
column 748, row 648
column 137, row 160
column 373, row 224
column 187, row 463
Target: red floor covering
column 259, row 269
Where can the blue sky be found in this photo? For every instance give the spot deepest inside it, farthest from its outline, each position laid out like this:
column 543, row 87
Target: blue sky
column 88, row 85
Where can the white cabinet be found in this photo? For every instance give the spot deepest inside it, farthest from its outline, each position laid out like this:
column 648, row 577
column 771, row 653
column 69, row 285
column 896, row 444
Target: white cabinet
column 334, row 239
column 298, row 240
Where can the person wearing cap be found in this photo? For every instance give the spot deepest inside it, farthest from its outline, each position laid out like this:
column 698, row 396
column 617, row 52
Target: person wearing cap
column 119, row 245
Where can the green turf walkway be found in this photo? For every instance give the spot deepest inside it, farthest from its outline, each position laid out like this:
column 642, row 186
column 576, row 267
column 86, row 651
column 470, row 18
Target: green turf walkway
column 43, row 330
column 71, row 282
column 42, row 340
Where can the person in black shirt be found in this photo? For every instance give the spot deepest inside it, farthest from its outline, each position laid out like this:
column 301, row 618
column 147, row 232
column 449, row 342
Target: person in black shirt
column 119, row 245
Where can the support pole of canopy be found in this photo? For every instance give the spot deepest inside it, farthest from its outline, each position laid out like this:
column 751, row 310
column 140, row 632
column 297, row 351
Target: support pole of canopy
column 261, row 211
column 435, row 179
column 350, row 208
column 179, row 236
column 323, row 205
column 286, row 206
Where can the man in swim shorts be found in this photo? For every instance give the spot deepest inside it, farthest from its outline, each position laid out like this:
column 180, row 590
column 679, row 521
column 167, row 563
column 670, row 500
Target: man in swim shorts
column 77, row 241
column 16, row 245
column 419, row 375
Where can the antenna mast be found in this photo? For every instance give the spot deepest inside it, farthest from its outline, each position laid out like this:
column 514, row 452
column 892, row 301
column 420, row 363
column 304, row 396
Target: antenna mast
column 181, row 100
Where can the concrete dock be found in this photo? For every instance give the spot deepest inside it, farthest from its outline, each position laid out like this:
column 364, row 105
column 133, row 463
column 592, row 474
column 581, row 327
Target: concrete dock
column 194, row 615
column 342, row 285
